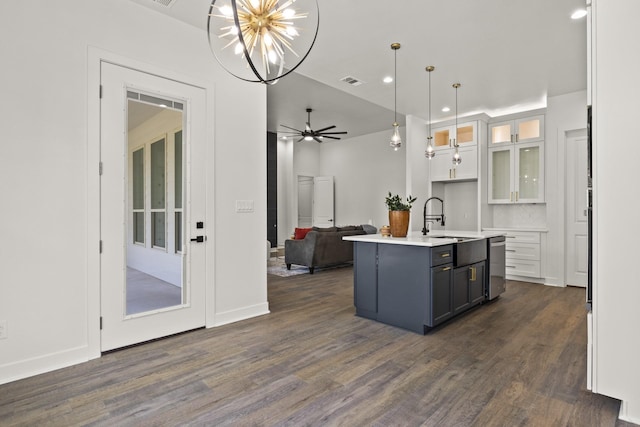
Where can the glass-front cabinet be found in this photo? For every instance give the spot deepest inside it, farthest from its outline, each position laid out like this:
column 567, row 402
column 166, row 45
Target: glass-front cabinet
column 528, row 129
column 517, row 173
column 444, row 137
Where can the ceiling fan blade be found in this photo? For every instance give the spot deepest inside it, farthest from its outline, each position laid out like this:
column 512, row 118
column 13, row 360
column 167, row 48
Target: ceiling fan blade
column 334, row 133
column 297, row 130
column 327, row 128
column 317, row 139
column 330, row 137
column 301, row 139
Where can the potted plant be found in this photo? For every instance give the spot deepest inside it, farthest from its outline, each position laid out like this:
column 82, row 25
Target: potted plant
column 399, row 214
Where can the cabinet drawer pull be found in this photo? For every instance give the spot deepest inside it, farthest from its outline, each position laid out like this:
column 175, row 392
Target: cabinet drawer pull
column 511, row 237
column 473, row 274
column 510, row 266
column 517, row 196
column 446, row 269
column 445, row 255
column 517, row 137
column 509, row 250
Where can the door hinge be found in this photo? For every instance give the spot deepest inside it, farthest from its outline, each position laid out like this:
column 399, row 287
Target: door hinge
column 100, row 92
column 100, row 322
column 100, row 168
column 100, row 246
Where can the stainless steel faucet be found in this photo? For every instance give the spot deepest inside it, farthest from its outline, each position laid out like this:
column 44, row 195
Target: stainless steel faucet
column 431, row 218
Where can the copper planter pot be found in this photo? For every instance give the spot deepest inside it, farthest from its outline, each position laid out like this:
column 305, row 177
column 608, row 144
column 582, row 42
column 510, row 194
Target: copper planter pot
column 399, row 223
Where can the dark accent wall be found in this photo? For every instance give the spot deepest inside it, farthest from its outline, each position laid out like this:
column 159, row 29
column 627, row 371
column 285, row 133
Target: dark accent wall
column 272, row 188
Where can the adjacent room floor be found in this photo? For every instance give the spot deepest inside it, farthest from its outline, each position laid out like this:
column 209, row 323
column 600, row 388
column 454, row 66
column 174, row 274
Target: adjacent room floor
column 518, row 361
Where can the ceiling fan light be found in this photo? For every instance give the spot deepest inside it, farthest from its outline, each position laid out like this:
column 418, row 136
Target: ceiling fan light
column 308, row 138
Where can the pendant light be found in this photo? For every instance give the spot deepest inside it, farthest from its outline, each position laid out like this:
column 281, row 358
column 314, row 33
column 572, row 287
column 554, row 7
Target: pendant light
column 396, row 141
column 429, row 153
column 456, row 155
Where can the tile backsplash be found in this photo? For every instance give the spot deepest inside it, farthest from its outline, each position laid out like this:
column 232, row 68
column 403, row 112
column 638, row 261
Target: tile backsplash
column 525, row 215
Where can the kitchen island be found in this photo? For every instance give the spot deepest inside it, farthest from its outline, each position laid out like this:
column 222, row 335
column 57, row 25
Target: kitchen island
column 418, row 282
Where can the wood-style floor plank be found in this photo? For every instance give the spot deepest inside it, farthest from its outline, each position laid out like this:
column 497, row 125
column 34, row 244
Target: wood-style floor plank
column 520, row 360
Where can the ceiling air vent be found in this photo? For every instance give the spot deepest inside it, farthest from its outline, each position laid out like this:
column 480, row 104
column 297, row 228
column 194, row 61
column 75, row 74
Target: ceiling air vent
column 165, row 3
column 351, row 80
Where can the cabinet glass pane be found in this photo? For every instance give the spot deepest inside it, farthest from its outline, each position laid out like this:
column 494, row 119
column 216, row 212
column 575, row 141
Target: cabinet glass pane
column 529, row 129
column 157, row 229
column 465, row 134
column 500, row 174
column 529, row 169
column 157, row 175
column 138, row 179
column 178, row 169
column 501, row 134
column 441, row 138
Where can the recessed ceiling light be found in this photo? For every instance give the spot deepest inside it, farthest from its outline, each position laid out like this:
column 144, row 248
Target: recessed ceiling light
column 580, row 13
column 388, row 79
column 446, row 109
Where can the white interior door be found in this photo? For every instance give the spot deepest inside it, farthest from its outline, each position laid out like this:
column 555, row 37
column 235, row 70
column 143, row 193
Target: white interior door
column 576, row 211
column 152, row 197
column 323, row 201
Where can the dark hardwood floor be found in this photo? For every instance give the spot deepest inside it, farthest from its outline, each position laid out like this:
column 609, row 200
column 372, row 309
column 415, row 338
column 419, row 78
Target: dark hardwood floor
column 519, row 361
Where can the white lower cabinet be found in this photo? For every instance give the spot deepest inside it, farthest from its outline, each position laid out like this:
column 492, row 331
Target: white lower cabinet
column 522, row 254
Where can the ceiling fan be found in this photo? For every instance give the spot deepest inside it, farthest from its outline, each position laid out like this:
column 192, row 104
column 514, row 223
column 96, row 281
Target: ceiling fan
column 309, row 134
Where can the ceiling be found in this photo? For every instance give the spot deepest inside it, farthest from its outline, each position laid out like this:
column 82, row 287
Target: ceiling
column 508, row 55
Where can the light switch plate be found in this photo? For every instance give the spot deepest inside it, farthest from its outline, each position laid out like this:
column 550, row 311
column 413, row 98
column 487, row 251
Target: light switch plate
column 244, row 206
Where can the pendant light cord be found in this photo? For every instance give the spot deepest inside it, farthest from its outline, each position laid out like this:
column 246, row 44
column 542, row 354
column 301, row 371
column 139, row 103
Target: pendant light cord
column 429, row 104
column 395, row 86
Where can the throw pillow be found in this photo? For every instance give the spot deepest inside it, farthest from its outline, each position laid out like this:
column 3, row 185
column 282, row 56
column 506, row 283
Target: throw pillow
column 300, row 233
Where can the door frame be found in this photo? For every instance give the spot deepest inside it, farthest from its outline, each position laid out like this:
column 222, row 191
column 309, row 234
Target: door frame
column 95, row 56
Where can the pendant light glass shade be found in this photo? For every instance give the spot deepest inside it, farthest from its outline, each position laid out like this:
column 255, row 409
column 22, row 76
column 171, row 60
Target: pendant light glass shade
column 262, row 41
column 429, row 152
column 456, row 155
column 396, row 141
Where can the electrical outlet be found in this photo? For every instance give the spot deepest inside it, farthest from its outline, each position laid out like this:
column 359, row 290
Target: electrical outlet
column 3, row 330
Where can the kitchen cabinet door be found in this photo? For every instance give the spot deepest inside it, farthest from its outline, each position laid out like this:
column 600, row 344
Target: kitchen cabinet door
column 527, row 129
column 460, row 289
column 443, row 169
column 529, row 173
column 445, row 137
column 441, row 302
column 501, row 175
column 477, row 283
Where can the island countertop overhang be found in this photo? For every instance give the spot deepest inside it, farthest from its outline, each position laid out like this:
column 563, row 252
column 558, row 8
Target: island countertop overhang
column 434, row 238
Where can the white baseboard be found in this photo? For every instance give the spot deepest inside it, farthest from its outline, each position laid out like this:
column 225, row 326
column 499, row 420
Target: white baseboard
column 627, row 414
column 240, row 314
column 41, row 364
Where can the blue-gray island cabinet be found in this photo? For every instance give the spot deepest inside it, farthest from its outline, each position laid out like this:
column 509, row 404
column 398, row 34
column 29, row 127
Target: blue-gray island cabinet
column 416, row 283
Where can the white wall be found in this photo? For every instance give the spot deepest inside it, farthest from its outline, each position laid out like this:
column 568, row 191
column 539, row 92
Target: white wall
column 365, row 169
column 417, row 175
column 617, row 202
column 47, row 295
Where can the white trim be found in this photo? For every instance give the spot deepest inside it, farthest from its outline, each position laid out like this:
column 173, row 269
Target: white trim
column 240, row 314
column 45, row 363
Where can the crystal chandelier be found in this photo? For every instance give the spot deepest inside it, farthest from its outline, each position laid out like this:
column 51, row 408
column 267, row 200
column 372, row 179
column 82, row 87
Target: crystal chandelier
column 262, row 41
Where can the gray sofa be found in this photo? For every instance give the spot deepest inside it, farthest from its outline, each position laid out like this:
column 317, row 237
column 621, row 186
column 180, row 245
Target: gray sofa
column 323, row 247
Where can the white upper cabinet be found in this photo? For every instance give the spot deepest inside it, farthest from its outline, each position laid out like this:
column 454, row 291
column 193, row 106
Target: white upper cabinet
column 441, row 165
column 445, row 137
column 528, row 129
column 516, row 173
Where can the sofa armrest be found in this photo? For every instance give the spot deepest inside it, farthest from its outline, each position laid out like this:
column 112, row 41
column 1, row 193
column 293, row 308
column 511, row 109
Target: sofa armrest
column 301, row 251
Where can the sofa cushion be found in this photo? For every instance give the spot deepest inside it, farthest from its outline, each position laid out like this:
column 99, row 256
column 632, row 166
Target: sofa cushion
column 300, row 233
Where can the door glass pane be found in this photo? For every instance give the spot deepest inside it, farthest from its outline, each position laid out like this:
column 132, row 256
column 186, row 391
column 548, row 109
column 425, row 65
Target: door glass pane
column 501, row 134
column 529, row 172
column 154, row 279
column 441, row 138
column 157, row 175
column 178, row 228
column 500, row 174
column 465, row 134
column 529, row 129
column 178, row 168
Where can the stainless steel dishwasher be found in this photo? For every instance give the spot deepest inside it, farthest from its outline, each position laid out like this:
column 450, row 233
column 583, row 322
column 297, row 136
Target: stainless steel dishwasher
column 496, row 280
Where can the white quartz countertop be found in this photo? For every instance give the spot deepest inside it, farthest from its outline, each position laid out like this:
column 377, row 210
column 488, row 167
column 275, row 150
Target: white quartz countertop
column 434, row 238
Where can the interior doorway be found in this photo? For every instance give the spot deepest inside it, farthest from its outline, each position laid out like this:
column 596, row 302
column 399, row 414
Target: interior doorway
column 152, row 206
column 305, row 201
column 576, row 234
